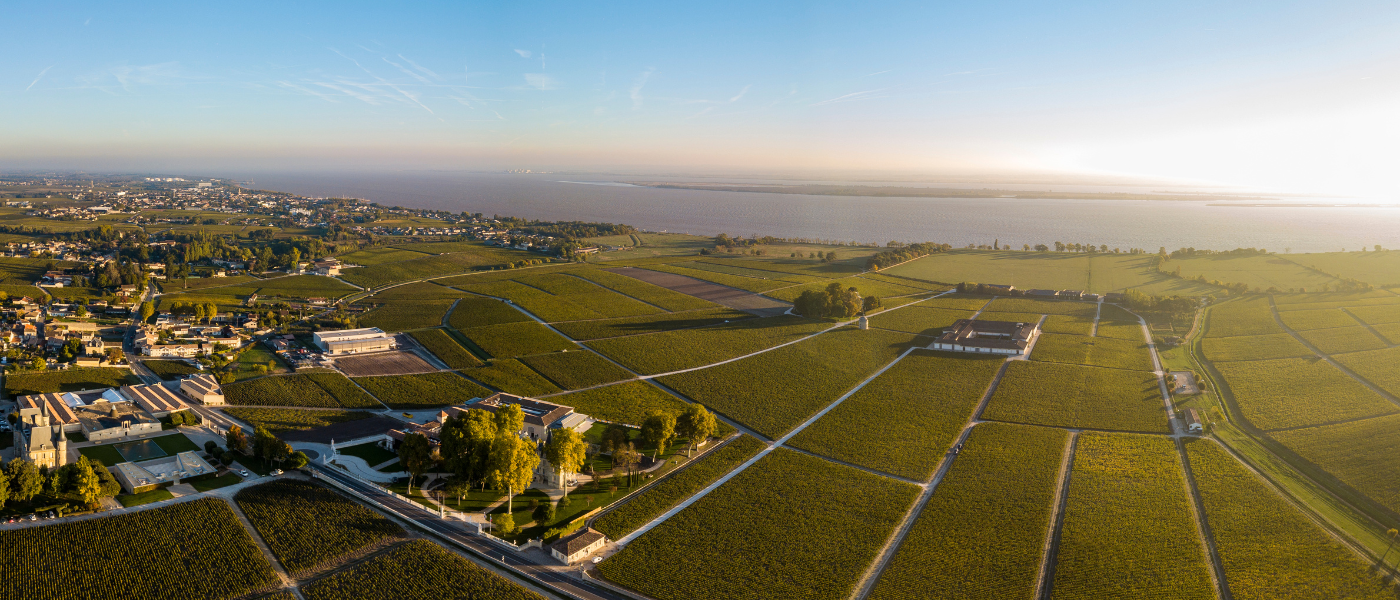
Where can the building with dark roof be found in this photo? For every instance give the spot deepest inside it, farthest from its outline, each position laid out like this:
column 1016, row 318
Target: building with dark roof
column 991, row 337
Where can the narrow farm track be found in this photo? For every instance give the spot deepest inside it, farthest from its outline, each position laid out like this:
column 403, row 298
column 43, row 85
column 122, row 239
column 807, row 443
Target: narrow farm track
column 1369, row 328
column 288, row 583
column 448, row 315
column 1161, row 377
column 1328, row 358
column 1098, row 310
column 1046, row 582
column 1198, row 510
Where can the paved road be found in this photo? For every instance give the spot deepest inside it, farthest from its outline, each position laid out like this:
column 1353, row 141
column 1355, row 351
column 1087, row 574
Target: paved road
column 546, row 574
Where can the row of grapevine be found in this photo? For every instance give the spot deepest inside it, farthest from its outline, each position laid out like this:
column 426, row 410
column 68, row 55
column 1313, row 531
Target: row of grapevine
column 309, row 526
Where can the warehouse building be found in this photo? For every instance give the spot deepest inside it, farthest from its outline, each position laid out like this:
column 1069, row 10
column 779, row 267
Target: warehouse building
column 354, row 341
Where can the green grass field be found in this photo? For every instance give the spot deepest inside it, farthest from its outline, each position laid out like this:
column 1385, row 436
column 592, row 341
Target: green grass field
column 577, row 369
column 642, row 508
column 510, row 340
column 1363, row 454
column 1093, row 351
column 776, row 390
column 624, row 403
column 674, row 350
column 932, row 393
column 1128, row 530
column 605, row 328
column 1297, row 392
column 422, row 391
column 1061, row 395
column 949, row 553
column 1253, row 347
column 1267, row 548
column 729, row 546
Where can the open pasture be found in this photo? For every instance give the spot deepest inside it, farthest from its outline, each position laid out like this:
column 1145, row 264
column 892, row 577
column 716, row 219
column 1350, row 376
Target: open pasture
column 605, row 328
column 1093, row 351
column 1297, row 392
column 933, row 394
column 1128, row 527
column 948, row 553
column 1267, row 548
column 422, row 391
column 688, row 348
column 510, row 340
column 837, row 519
column 658, row 499
column 1363, row 454
column 1344, row 339
column 776, row 390
column 576, row 369
column 1253, row 347
column 1062, row 395
column 1246, row 316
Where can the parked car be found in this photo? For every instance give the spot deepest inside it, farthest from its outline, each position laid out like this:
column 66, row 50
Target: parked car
column 277, row 472
column 32, row 517
column 243, row 473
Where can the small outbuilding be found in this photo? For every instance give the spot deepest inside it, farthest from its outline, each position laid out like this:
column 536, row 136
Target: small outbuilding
column 578, row 546
column 1193, row 421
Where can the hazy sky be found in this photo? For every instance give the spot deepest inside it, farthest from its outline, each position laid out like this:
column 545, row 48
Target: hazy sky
column 1285, row 95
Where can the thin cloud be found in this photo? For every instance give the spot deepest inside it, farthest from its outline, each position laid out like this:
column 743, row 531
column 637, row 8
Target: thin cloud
column 406, row 71
column 541, row 81
column 36, row 79
column 293, row 86
column 877, row 73
column 741, row 93
column 865, row 95
column 419, row 67
column 636, row 91
column 523, row 53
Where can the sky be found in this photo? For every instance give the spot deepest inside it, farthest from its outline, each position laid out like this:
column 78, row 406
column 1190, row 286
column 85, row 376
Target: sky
column 1286, row 96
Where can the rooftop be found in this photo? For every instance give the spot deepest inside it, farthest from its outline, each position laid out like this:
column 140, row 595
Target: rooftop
column 154, row 398
column 568, row 546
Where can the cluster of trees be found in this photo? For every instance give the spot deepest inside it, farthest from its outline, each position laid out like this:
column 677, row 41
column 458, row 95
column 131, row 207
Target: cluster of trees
column 904, row 253
column 1171, row 305
column 1189, row 252
column 87, row 480
column 263, row 445
column 480, row 449
column 834, row 302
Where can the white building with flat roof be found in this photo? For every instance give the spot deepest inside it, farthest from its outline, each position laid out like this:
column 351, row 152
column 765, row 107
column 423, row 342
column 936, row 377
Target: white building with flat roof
column 353, row 341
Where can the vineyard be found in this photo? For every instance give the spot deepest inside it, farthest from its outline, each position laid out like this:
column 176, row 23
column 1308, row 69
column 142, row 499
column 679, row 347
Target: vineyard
column 589, row 295
column 674, row 350
column 1253, row 347
column 1343, row 339
column 646, row 292
column 429, row 266
column 1093, row 351
column 479, row 312
column 577, row 369
column 949, row 553
column 919, row 319
column 441, row 344
column 1376, row 315
column 776, row 390
column 510, row 340
column 1296, row 392
column 1363, row 454
column 416, row 570
column 309, row 527
column 540, row 303
column 157, row 554
column 170, row 369
column 624, row 403
column 1251, row 523
column 425, row 390
column 1305, row 320
column 756, row 283
column 512, row 377
column 933, row 395
column 1247, row 316
column 1072, row 325
column 1044, row 307
column 280, row 390
column 729, row 545
column 650, row 504
column 1121, row 330
column 1044, row 393
column 1375, row 366
column 402, row 315
column 379, row 256
column 1128, row 528
column 592, row 330
column 278, row 420
column 343, row 390
column 72, row 380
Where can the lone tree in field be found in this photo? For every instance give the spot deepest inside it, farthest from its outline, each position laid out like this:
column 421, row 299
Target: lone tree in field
column 513, row 463
column 1392, row 534
column 415, row 454
column 566, row 450
column 658, row 430
column 695, row 424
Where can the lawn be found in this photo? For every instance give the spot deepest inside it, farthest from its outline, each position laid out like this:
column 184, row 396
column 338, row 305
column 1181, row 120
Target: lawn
column 605, row 328
column 105, row 453
column 153, row 496
column 933, row 395
column 1093, row 351
column 1245, row 316
column 949, row 552
column 1060, row 395
column 310, row 527
column 1253, row 347
column 278, row 420
column 1297, row 392
column 214, row 483
column 674, row 350
column 512, row 377
column 776, row 390
column 71, row 380
column 642, row 508
column 1363, row 454
column 517, row 339
column 176, row 443
column 422, row 391
column 1267, row 548
column 1343, row 339
column 1128, row 529
column 371, row 453
column 442, row 345
column 729, row 546
column 416, row 570
column 623, row 403
column 577, row 369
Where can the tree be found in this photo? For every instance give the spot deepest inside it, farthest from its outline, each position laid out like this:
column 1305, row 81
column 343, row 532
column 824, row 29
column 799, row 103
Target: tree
column 810, row 304
column 458, row 488
column 148, row 310
column 25, row 480
column 415, row 454
column 544, row 513
column 614, row 438
column 510, row 419
column 567, row 451
column 870, row 303
column 211, row 448
column 299, row 459
column 627, row 458
column 235, row 438
column 505, row 523
column 1393, row 534
column 198, row 312
column 657, row 430
column 109, row 484
column 85, row 481
column 466, row 444
column 37, row 364
column 4, row 487
column 210, row 310
column 513, row 463
column 695, row 424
